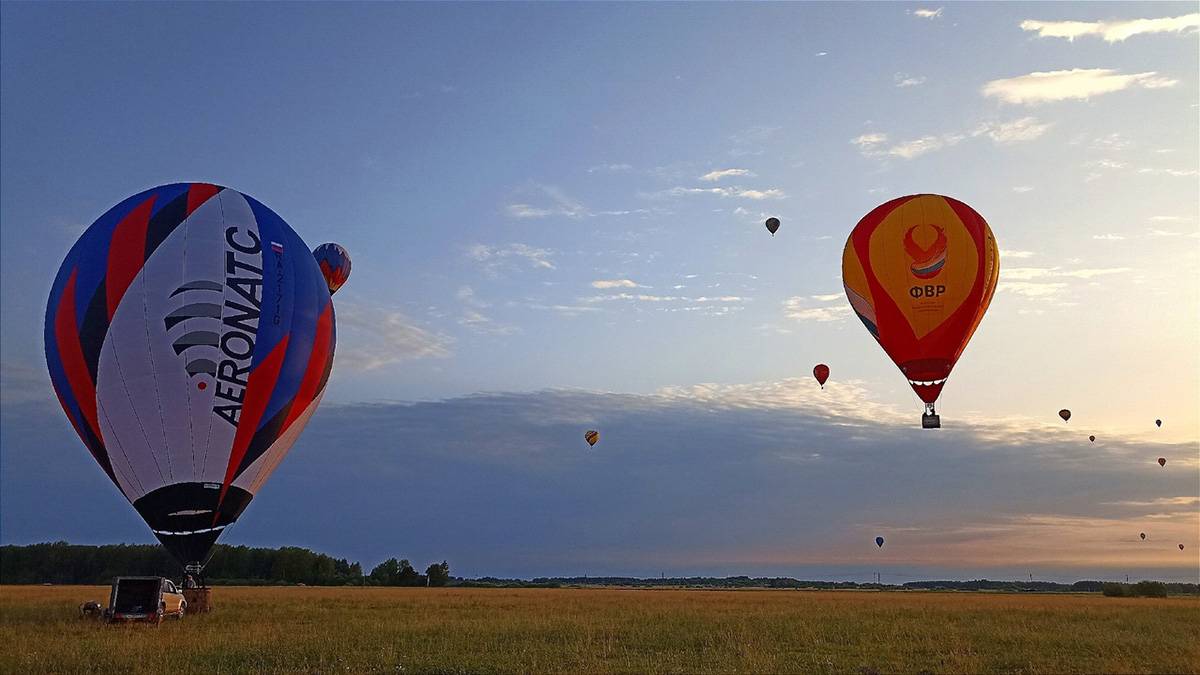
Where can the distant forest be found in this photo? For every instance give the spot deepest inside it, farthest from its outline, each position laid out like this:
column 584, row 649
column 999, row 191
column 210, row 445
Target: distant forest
column 63, row 563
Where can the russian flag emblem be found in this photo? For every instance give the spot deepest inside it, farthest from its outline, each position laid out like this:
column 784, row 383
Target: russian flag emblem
column 277, row 247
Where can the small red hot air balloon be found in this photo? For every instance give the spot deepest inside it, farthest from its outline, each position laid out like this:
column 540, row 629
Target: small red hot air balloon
column 1162, row 461
column 1092, row 439
column 821, row 372
column 1065, row 414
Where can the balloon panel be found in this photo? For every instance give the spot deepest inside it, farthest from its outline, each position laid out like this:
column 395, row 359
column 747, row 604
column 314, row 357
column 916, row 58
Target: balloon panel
column 189, row 337
column 920, row 271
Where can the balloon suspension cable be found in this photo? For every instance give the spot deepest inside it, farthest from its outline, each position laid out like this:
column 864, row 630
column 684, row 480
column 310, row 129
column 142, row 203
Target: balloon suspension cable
column 929, row 409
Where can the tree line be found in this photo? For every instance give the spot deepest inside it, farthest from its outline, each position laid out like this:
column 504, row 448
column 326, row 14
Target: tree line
column 63, row 563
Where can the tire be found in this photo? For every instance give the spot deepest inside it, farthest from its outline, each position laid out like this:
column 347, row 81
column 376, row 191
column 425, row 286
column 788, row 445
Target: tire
column 182, row 610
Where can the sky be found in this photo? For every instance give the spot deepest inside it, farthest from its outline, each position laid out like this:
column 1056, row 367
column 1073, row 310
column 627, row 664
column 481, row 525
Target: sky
column 555, row 218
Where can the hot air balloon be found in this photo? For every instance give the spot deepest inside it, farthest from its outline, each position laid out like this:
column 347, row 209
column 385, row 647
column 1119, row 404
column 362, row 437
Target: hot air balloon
column 821, row 372
column 1181, row 547
column 772, row 225
column 1143, row 535
column 189, row 336
column 919, row 272
column 879, row 542
column 1158, row 423
column 1162, row 461
column 1065, row 415
column 334, row 262
column 1092, row 439
column 592, row 437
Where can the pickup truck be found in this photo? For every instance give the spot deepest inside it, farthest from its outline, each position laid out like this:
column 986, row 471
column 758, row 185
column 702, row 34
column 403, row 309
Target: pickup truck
column 146, row 599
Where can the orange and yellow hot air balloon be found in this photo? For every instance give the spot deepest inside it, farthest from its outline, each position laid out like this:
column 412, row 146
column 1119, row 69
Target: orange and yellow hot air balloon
column 920, row 272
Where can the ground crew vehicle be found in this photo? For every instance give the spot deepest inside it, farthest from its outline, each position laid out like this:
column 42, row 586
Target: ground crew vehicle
column 146, row 599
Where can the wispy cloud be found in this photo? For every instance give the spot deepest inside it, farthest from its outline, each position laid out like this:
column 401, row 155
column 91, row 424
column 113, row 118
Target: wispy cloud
column 1108, row 237
column 821, row 308
column 372, row 337
column 614, row 283
column 610, row 168
column 876, row 144
column 1113, row 31
column 496, row 259
column 1022, row 189
column 926, row 13
column 473, row 317
column 713, row 176
column 734, row 192
column 903, row 80
column 1007, row 254
column 552, row 202
column 1077, row 83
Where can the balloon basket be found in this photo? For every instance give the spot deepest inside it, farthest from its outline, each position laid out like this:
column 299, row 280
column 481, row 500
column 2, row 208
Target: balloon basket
column 931, row 421
column 199, row 600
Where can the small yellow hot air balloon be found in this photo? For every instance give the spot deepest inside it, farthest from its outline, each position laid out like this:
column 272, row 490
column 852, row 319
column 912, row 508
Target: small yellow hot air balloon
column 592, row 437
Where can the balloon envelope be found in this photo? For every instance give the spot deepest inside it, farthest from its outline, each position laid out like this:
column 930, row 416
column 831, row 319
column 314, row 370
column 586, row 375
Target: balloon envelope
column 821, row 372
column 1181, row 547
column 189, row 335
column 592, row 437
column 1158, row 423
column 1065, row 414
column 1143, row 535
column 1162, row 461
column 1092, row 439
column 919, row 272
column 772, row 225
column 879, row 542
column 334, row 262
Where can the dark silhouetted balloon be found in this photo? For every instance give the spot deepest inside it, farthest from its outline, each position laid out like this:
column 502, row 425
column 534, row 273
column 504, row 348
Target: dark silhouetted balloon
column 821, row 372
column 920, row 271
column 1092, row 439
column 334, row 262
column 592, row 437
column 1162, row 461
column 1143, row 535
column 879, row 542
column 1181, row 547
column 772, row 225
column 1065, row 414
column 1158, row 423
column 189, row 336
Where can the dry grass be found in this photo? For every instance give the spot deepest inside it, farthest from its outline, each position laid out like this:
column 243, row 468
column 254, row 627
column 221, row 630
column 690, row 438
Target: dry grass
column 586, row 630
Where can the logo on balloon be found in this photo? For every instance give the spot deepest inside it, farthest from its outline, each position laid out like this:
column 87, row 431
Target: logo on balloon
column 927, row 261
column 195, row 325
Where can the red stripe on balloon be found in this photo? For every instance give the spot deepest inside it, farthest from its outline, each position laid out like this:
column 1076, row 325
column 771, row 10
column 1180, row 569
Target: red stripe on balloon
column 70, row 352
column 258, row 393
column 199, row 193
column 317, row 358
column 126, row 253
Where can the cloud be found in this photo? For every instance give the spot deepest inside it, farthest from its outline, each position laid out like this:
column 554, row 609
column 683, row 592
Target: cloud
column 713, row 176
column 1108, row 237
column 1048, row 283
column 927, row 13
column 1177, row 173
column 1021, row 189
column 555, row 203
column 1113, row 31
column 1077, row 83
column 474, row 319
column 1006, row 254
column 734, row 192
column 817, row 308
column 497, row 259
column 24, row 383
column 370, row 338
column 903, row 80
column 877, row 145
column 614, row 283
column 610, row 168
column 503, row 484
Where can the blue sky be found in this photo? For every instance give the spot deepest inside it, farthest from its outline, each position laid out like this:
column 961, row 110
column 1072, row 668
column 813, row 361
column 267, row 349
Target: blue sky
column 559, row 206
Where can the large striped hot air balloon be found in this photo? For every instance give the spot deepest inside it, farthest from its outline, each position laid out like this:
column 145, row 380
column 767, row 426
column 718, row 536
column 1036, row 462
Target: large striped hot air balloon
column 189, row 337
column 919, row 272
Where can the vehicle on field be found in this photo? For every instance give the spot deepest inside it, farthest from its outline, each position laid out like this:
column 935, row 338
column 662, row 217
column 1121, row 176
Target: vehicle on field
column 144, row 599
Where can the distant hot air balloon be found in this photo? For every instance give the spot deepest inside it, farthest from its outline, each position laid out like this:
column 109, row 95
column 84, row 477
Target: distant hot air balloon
column 1065, row 415
column 1158, row 423
column 592, row 436
column 879, row 542
column 1181, row 547
column 1092, row 439
column 772, row 225
column 189, row 336
column 919, row 272
column 1143, row 535
column 1162, row 461
column 821, row 372
column 334, row 262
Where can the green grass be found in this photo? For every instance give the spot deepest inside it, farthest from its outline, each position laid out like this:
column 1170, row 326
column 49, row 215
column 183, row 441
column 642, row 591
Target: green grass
column 593, row 630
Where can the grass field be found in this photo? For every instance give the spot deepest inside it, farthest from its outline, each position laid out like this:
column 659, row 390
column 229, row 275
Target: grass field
column 659, row 631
